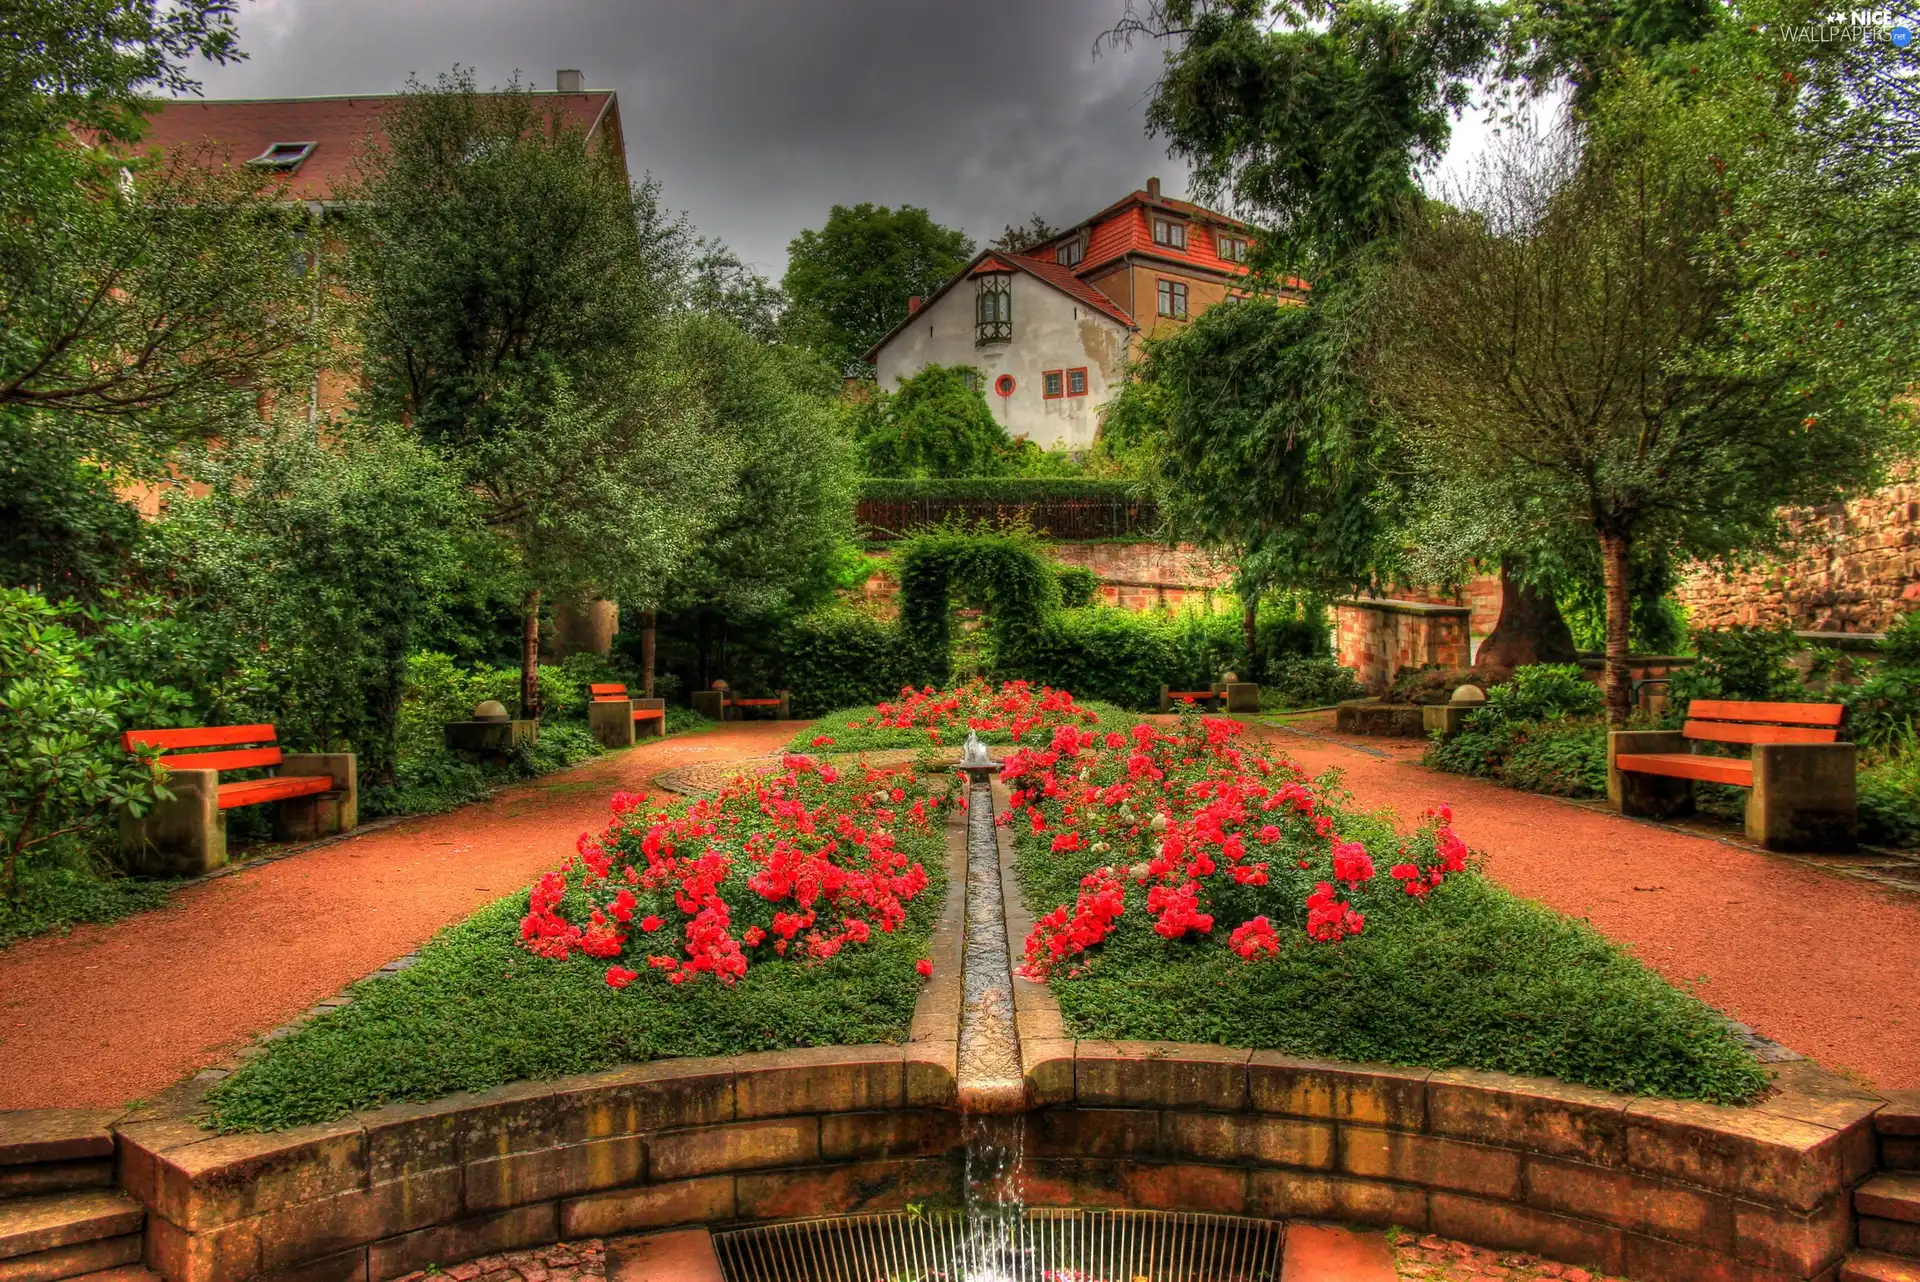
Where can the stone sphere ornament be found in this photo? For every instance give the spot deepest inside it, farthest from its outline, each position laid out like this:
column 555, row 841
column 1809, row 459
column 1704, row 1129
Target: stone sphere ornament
column 491, row 710
column 1468, row 694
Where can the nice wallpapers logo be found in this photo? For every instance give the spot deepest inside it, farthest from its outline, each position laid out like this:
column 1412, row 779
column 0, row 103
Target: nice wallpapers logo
column 1854, row 26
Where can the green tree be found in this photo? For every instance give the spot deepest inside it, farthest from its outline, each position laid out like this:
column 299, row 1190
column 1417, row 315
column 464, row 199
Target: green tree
column 1558, row 344
column 936, row 424
column 848, row 283
column 1254, row 450
column 515, row 286
column 1035, row 231
column 775, row 546
column 324, row 560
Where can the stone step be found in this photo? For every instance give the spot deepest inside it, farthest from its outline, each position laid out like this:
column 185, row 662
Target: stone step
column 1871, row 1266
column 1900, row 1152
column 1901, row 1116
column 1890, row 1195
column 34, row 1225
column 29, row 1135
column 120, row 1273
column 31, row 1178
column 105, row 1259
column 1889, row 1237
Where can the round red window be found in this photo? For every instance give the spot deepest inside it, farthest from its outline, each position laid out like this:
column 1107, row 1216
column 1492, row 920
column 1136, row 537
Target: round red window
column 1004, row 385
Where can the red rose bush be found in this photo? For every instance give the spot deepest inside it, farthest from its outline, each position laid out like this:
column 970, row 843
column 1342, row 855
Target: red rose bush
column 798, row 864
column 1014, row 712
column 1209, row 839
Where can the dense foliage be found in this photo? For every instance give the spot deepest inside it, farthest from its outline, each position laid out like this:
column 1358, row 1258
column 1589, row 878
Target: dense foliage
column 1190, row 888
column 1011, row 713
column 500, row 1002
column 848, row 282
column 935, row 424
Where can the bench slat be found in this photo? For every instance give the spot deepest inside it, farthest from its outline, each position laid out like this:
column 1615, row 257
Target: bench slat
column 1688, row 765
column 649, row 714
column 613, row 691
column 254, row 792
column 1793, row 714
column 1741, row 732
column 197, row 737
column 233, row 759
column 753, row 703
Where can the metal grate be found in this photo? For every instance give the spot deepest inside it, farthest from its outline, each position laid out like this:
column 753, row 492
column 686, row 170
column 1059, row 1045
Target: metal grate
column 1038, row 1246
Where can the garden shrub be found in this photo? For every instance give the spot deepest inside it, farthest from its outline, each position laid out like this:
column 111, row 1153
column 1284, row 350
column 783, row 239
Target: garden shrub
column 63, row 771
column 1883, row 710
column 1187, row 888
column 1888, row 789
column 1005, row 574
column 1301, row 681
column 1079, row 586
column 1739, row 663
column 840, row 659
column 1107, row 654
column 1540, row 692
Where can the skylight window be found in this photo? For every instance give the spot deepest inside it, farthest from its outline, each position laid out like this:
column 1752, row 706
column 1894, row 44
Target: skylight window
column 283, row 155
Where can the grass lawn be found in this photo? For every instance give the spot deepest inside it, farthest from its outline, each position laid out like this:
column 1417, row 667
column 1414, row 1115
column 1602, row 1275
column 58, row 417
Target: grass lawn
column 1470, row 977
column 478, row 1009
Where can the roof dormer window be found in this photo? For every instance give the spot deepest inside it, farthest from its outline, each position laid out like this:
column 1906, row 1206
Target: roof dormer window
column 1170, row 233
column 993, row 309
column 284, row 156
column 1069, row 254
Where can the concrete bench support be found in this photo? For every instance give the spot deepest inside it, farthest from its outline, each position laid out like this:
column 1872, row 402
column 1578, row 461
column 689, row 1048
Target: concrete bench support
column 1648, row 796
column 1803, row 797
column 327, row 813
column 183, row 837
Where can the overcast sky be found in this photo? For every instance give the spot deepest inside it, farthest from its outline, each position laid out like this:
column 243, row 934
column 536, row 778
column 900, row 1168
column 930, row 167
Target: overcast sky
column 758, row 115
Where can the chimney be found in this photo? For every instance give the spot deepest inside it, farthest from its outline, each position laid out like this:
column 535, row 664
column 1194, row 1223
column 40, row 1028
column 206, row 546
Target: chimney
column 1153, row 188
column 569, row 80
column 913, row 304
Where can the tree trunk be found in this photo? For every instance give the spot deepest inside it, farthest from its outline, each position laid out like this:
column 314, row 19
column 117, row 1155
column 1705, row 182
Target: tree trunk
column 1618, row 685
column 1530, row 629
column 1250, row 632
column 530, row 655
column 648, row 619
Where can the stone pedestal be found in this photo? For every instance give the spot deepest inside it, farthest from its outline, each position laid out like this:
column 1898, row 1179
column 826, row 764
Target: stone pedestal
column 710, row 704
column 1371, row 717
column 1243, row 696
column 1445, row 719
column 490, row 740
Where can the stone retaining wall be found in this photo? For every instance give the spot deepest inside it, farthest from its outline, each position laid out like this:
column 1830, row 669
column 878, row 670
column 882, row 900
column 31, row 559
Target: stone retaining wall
column 1378, row 638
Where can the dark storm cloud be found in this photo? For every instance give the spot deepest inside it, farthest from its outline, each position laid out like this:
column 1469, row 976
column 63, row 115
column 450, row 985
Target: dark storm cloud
column 759, row 116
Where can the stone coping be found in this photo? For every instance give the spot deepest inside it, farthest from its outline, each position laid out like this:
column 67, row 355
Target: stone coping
column 1424, row 609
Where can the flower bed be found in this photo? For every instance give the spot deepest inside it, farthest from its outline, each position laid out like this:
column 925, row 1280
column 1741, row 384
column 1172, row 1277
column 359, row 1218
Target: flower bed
column 1016, row 712
column 790, row 910
column 1189, row 888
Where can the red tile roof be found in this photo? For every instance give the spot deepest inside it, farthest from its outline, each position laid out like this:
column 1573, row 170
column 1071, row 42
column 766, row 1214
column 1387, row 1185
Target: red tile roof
column 1064, row 280
column 341, row 127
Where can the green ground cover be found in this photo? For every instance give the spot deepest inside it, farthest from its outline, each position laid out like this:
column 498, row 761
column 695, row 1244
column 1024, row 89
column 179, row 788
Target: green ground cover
column 1463, row 975
column 479, row 1008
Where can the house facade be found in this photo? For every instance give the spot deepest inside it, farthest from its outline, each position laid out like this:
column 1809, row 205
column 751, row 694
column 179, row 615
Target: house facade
column 1050, row 328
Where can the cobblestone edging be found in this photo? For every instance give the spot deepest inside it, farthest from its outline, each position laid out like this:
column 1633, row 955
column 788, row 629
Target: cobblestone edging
column 1646, row 1188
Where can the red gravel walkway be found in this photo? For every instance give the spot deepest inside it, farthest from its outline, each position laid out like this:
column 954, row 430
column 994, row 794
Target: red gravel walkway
column 114, row 1013
column 1825, row 964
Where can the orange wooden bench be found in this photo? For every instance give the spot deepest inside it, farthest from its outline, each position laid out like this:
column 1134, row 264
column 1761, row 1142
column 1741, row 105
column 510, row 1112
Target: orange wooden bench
column 1800, row 776
column 317, row 794
column 1169, row 698
column 722, row 705
column 616, row 719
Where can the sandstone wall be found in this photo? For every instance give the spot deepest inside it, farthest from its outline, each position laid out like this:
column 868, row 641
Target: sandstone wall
column 1133, row 576
column 1853, row 567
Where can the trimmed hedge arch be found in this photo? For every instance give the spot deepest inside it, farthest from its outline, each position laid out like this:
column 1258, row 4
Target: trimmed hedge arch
column 1004, row 574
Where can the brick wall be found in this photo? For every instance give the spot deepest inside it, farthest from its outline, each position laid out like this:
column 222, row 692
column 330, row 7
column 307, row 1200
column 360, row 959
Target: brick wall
column 1852, row 567
column 1133, row 576
column 1379, row 638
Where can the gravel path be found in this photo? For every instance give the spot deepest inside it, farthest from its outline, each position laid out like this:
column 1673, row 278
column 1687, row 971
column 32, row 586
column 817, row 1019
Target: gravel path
column 1821, row 962
column 115, row 1013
